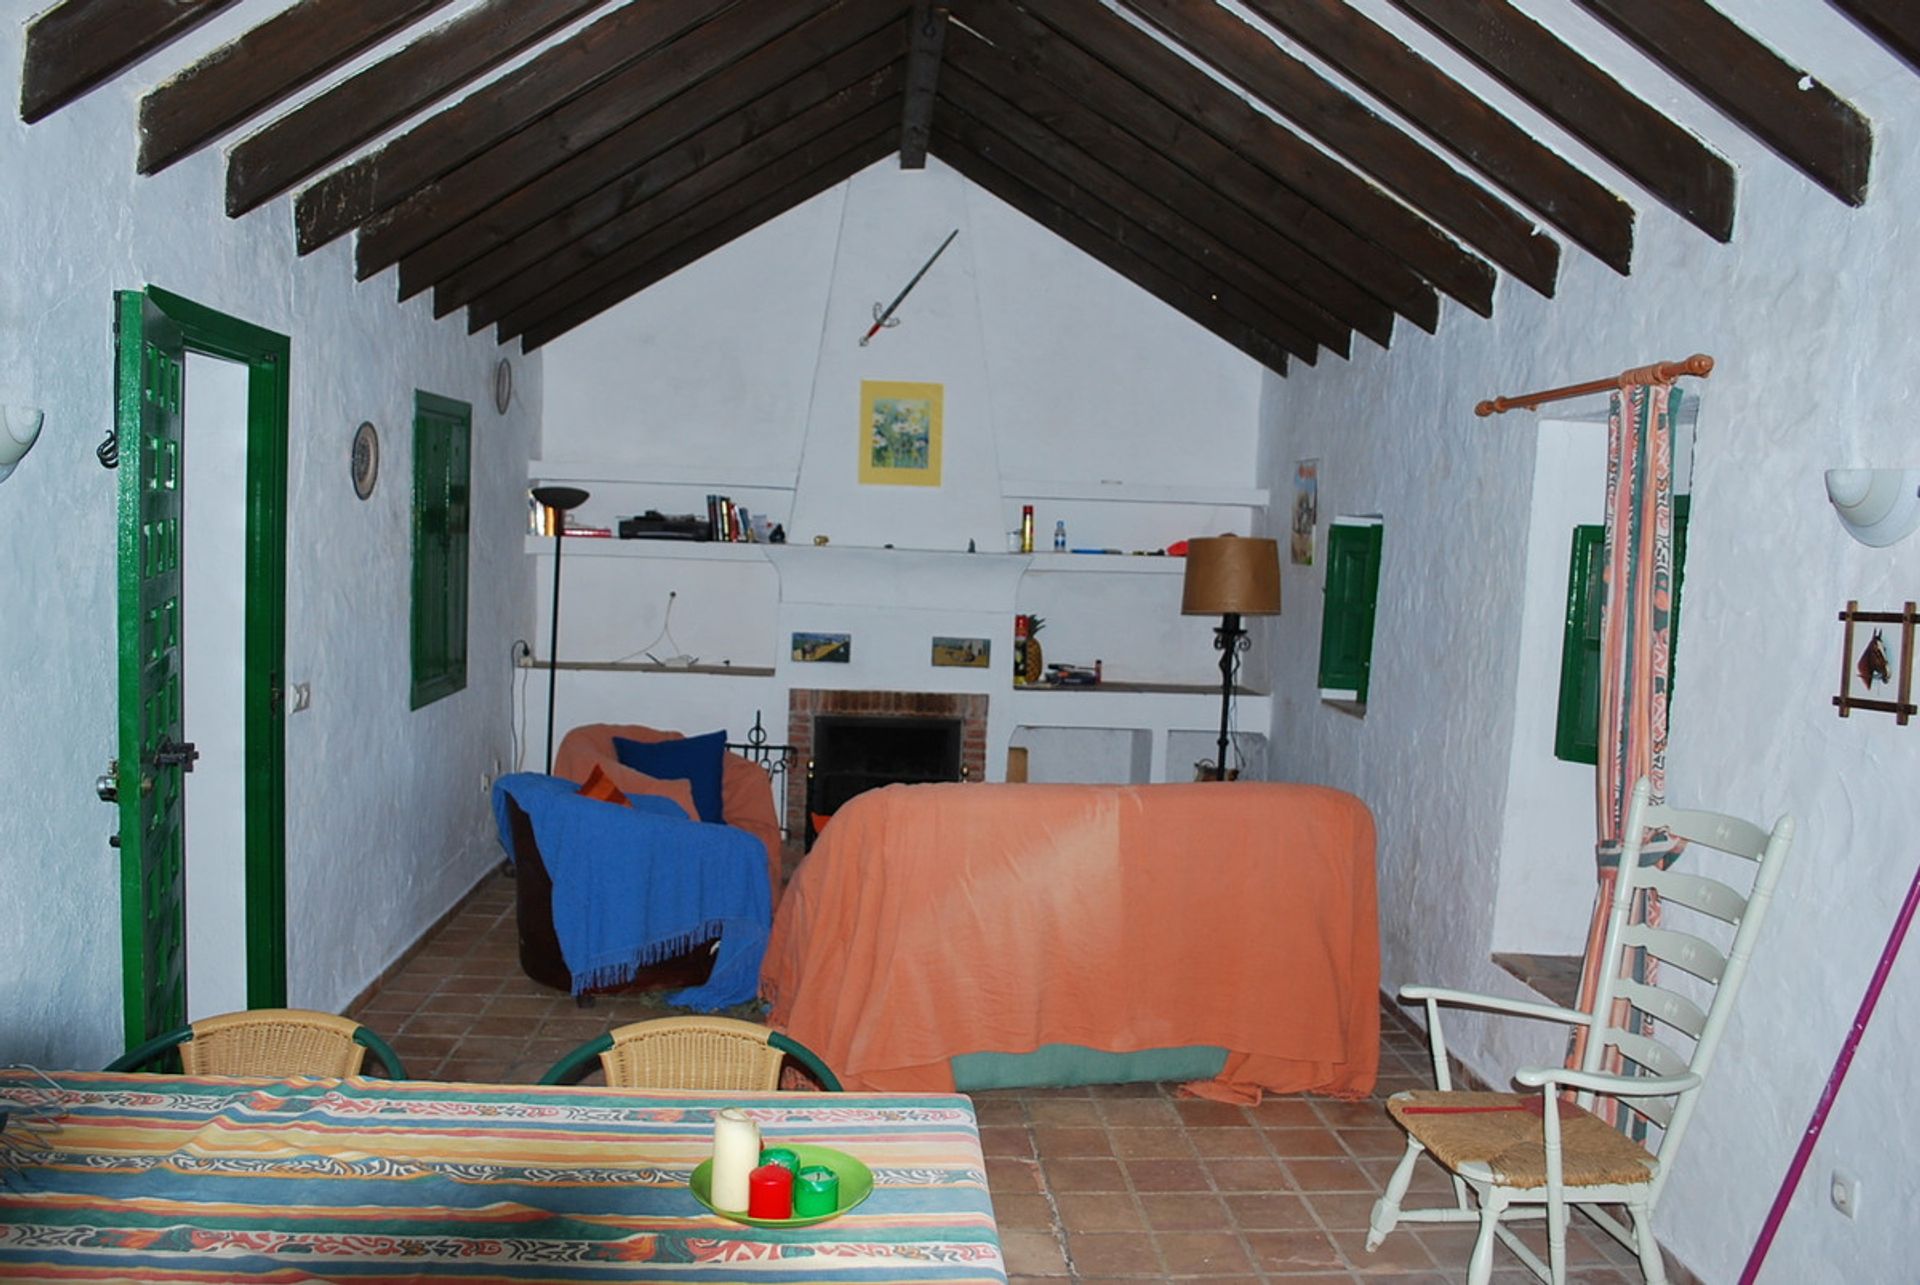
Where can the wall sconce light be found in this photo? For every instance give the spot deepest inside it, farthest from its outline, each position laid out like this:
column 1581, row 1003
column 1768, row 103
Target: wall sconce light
column 1877, row 506
column 22, row 431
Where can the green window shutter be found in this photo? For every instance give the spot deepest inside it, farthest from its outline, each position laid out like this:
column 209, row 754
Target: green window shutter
column 1576, row 733
column 442, row 434
column 1346, row 629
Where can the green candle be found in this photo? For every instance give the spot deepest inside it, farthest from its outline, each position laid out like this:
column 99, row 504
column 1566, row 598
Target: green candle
column 816, row 1190
column 781, row 1156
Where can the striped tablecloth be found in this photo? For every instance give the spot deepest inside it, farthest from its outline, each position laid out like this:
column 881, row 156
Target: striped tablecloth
column 175, row 1178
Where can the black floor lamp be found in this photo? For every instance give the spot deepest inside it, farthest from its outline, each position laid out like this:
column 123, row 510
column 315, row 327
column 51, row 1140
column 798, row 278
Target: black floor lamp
column 1230, row 577
column 557, row 500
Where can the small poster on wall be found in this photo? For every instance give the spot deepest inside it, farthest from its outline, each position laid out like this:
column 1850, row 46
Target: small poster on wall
column 1306, row 510
column 899, row 433
column 832, row 648
column 968, row 653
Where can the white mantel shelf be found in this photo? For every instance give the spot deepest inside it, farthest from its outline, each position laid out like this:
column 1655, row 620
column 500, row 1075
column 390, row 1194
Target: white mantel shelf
column 722, row 551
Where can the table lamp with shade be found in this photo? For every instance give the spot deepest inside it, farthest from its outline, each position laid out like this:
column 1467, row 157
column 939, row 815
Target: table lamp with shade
column 1230, row 576
column 558, row 501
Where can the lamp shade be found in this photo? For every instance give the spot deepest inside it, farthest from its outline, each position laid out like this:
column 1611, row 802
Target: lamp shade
column 1232, row 574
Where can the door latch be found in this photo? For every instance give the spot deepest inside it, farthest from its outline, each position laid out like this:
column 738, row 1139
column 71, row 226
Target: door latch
column 175, row 754
column 108, row 786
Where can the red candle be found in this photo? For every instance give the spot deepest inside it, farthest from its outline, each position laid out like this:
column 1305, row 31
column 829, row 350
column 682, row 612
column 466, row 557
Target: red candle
column 770, row 1192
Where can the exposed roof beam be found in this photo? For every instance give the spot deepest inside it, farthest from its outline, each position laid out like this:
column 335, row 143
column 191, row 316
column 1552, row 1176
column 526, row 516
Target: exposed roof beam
column 1370, row 55
column 1894, row 23
column 1414, row 248
column 1057, row 124
column 737, row 224
column 79, row 44
column 718, row 156
column 1600, row 111
column 1340, row 269
column 329, row 125
column 1393, row 158
column 293, row 48
column 1169, row 285
column 1802, row 120
column 640, row 161
column 926, row 36
column 349, row 196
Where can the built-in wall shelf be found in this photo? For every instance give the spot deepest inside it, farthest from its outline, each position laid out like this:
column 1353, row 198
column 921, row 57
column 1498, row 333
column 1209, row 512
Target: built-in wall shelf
column 746, row 551
column 614, row 547
column 1162, row 689
column 1079, row 564
column 646, row 667
column 1133, row 492
column 727, row 480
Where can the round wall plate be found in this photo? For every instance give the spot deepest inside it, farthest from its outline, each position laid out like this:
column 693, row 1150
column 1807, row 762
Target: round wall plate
column 366, row 458
column 502, row 385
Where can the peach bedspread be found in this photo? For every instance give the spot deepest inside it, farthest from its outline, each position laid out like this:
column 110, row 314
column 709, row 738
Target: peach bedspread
column 936, row 920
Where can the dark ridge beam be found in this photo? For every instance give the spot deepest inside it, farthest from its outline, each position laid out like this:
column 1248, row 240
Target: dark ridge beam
column 682, row 213
column 1400, row 246
column 1370, row 55
column 1169, row 287
column 706, row 164
column 745, row 221
column 80, row 44
column 288, row 51
column 822, row 55
column 329, row 125
column 1292, row 88
column 926, row 36
column 1810, row 128
column 1339, row 269
column 1136, row 181
column 1193, row 259
column 1597, row 109
column 351, row 195
column 1894, row 23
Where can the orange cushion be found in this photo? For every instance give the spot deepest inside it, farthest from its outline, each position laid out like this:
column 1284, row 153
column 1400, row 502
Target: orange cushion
column 597, row 786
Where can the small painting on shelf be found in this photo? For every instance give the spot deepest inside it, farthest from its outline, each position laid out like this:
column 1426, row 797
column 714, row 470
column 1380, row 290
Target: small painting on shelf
column 836, row 649
column 1306, row 510
column 966, row 653
column 899, row 433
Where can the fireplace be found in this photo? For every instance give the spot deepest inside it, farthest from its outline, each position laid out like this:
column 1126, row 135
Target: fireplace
column 850, row 741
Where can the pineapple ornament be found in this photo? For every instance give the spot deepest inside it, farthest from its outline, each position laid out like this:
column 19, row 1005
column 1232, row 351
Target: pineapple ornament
column 1034, row 665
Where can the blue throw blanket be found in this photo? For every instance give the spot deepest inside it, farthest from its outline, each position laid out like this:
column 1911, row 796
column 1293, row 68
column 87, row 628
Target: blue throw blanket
column 634, row 886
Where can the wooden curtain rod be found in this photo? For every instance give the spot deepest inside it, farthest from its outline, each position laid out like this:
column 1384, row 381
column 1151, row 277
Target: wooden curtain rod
column 1661, row 372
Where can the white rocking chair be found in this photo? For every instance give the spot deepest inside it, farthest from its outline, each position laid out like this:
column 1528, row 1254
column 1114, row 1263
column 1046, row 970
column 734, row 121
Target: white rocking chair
column 1531, row 1154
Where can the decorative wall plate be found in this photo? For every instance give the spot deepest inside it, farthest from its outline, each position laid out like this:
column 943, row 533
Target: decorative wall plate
column 502, row 385
column 366, row 458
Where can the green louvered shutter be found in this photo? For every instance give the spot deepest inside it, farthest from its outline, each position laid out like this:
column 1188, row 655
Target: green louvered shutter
column 1346, row 630
column 442, row 430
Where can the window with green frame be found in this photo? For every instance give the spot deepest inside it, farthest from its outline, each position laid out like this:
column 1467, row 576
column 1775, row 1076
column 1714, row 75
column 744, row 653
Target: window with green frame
column 1576, row 733
column 1346, row 628
column 442, row 433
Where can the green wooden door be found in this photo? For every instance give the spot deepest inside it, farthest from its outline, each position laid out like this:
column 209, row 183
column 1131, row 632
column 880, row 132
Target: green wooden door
column 149, row 375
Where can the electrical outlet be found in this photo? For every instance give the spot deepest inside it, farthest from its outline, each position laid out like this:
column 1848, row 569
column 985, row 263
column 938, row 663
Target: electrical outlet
column 1844, row 1191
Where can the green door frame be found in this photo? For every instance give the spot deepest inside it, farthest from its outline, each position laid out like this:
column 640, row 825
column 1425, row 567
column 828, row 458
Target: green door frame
column 265, row 355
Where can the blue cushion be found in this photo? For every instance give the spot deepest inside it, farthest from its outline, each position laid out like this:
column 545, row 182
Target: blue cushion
column 693, row 759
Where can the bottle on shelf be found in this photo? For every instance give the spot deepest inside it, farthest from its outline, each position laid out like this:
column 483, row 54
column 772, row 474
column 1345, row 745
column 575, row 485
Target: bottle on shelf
column 1019, row 651
column 1026, row 528
column 1060, row 535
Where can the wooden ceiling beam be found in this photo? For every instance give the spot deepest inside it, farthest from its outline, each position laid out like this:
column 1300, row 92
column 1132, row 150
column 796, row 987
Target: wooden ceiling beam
column 1395, row 160
column 710, row 161
column 1369, row 55
column 926, row 37
column 1044, row 56
column 355, row 193
column 1387, row 246
column 78, row 45
column 1132, row 177
column 1894, row 23
column 264, row 66
column 1804, row 122
column 709, row 51
column 785, row 74
column 736, row 225
column 1169, row 285
column 973, row 119
column 1597, row 109
column 355, row 111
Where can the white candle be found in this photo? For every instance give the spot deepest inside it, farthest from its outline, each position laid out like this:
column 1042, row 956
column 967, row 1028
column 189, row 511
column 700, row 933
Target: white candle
column 736, row 1150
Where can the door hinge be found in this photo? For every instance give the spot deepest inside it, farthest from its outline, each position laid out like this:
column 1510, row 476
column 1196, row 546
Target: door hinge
column 170, row 753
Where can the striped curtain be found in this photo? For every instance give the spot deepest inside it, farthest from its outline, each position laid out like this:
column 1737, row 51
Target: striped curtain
column 1635, row 642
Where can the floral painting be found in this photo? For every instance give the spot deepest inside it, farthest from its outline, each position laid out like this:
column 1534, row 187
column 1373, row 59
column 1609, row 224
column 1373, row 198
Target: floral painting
column 899, row 433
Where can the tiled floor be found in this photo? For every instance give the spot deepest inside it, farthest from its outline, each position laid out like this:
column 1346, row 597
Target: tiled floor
column 1120, row 1182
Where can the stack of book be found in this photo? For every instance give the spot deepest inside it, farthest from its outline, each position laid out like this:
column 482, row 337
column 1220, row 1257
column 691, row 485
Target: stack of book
column 728, row 521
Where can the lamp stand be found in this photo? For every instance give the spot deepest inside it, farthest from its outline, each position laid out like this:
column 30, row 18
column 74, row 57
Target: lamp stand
column 558, row 500
column 1229, row 639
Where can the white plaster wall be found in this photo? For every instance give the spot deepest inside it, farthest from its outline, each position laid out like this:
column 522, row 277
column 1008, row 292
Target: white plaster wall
column 1808, row 314
column 386, row 821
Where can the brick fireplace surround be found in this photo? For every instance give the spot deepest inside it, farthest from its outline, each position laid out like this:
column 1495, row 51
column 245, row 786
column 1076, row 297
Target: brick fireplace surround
column 805, row 703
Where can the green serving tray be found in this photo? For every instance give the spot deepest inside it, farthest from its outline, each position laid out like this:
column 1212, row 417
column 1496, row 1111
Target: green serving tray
column 856, row 1184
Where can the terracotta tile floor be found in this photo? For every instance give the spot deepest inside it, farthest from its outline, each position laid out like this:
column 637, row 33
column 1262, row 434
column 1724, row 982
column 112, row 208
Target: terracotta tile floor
column 1110, row 1182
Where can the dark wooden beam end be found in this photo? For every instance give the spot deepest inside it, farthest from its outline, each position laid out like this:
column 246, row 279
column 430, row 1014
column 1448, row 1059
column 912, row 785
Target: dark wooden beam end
column 926, row 37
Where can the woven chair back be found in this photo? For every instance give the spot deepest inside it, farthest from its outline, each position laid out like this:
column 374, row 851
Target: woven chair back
column 278, row 1042
column 716, row 1053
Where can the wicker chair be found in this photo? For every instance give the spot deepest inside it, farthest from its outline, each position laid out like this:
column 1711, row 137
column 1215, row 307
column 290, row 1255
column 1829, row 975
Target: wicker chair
column 720, row 1053
column 278, row 1042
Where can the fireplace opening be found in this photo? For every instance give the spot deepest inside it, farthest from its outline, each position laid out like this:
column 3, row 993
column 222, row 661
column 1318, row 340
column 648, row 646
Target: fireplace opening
column 853, row 753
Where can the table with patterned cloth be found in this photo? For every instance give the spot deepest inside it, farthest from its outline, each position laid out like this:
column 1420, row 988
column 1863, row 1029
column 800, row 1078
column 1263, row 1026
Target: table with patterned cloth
column 157, row 1178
